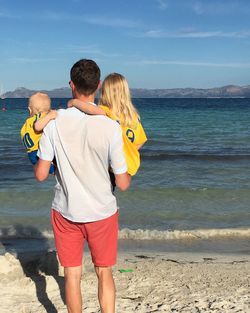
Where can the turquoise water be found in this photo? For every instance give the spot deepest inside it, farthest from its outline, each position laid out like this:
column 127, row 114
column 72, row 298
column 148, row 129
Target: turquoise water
column 194, row 175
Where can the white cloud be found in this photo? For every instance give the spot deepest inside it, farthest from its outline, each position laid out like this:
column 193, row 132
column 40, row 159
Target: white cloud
column 56, row 16
column 189, row 33
column 192, row 63
column 162, row 4
column 109, row 21
column 92, row 50
column 6, row 14
column 220, row 7
column 91, row 19
column 198, row 8
column 25, row 60
column 112, row 22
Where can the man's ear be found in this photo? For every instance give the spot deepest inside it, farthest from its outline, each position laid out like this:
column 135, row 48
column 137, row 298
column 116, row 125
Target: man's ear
column 73, row 89
column 72, row 86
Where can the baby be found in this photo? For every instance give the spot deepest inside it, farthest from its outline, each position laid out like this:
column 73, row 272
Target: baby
column 40, row 114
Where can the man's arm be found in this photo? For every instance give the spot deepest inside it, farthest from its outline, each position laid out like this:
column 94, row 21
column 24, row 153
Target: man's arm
column 45, row 154
column 118, row 162
column 41, row 170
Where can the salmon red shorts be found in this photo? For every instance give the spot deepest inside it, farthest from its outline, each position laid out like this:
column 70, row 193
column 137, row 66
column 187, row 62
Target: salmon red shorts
column 101, row 237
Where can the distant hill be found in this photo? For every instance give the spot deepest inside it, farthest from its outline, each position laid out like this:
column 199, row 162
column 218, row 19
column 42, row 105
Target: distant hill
column 22, row 92
column 221, row 92
column 230, row 91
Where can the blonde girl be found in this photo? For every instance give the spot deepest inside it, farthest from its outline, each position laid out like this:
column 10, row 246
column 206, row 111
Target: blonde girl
column 115, row 102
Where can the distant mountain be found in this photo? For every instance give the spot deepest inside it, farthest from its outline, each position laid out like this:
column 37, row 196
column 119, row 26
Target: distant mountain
column 221, row 92
column 230, row 91
column 22, row 92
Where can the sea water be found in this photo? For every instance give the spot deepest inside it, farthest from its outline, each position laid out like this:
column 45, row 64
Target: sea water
column 194, row 180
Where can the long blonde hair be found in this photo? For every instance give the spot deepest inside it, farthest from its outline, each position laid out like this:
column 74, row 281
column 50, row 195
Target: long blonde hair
column 115, row 95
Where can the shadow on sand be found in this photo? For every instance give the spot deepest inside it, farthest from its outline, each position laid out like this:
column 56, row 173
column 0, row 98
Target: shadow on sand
column 36, row 263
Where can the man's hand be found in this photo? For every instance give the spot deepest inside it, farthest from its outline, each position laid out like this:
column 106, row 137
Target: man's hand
column 41, row 170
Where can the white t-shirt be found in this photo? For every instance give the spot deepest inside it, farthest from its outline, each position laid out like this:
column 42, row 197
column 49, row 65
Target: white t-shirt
column 84, row 147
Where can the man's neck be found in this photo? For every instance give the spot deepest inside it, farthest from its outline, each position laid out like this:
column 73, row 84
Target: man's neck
column 90, row 98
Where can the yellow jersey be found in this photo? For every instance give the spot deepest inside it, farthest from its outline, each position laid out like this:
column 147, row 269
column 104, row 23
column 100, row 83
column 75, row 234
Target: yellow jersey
column 29, row 137
column 132, row 137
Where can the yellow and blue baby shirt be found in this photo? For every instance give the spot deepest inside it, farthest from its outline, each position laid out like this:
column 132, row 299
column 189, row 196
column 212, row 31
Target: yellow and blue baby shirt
column 31, row 139
column 132, row 137
column 29, row 136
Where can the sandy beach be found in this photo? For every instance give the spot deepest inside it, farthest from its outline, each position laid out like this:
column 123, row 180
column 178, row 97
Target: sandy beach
column 146, row 282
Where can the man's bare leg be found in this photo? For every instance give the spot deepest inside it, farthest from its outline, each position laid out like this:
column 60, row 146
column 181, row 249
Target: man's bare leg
column 73, row 294
column 106, row 289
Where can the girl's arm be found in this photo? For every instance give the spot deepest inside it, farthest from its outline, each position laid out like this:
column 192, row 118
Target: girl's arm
column 86, row 107
column 42, row 122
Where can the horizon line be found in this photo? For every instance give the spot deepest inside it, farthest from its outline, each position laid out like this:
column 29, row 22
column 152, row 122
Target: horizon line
column 146, row 88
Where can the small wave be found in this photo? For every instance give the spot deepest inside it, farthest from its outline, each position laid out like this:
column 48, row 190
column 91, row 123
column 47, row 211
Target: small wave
column 138, row 234
column 141, row 234
column 24, row 232
column 189, row 156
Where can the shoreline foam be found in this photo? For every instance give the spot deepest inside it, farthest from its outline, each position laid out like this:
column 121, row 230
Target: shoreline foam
column 234, row 241
column 19, row 232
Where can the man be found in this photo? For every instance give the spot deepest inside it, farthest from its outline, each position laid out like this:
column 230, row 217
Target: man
column 84, row 206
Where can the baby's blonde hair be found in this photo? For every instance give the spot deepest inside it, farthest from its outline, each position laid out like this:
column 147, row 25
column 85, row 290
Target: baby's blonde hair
column 115, row 95
column 39, row 102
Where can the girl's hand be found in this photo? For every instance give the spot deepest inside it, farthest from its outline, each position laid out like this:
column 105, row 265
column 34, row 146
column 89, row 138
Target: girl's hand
column 72, row 102
column 52, row 114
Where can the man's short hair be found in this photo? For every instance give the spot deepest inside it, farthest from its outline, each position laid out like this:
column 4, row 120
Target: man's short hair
column 85, row 74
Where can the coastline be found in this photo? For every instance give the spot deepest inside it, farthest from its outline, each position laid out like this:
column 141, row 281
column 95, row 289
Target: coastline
column 147, row 280
column 29, row 239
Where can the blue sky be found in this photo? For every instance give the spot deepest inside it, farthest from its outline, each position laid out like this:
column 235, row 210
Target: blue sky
column 154, row 43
